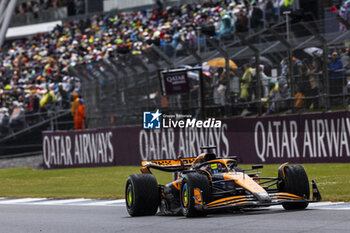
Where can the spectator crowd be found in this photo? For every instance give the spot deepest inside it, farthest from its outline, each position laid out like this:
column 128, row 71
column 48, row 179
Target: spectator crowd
column 34, row 72
column 276, row 93
column 37, row 68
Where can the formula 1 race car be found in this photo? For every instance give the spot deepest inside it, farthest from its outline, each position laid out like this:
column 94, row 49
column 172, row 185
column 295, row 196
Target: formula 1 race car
column 206, row 184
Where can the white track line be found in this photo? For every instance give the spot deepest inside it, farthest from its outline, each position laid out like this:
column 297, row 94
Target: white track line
column 59, row 202
column 48, row 201
column 18, row 201
column 105, row 203
column 121, row 202
column 314, row 205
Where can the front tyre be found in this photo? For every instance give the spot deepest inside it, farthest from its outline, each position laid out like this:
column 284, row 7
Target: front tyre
column 142, row 195
column 295, row 182
column 190, row 182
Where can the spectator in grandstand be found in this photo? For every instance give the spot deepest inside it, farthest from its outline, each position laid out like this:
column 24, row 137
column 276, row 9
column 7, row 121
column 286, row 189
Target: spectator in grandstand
column 336, row 74
column 62, row 97
column 71, row 8
column 4, row 121
column 313, row 73
column 279, row 97
column 227, row 27
column 80, row 7
column 219, row 90
column 284, row 66
column 167, row 45
column 269, row 12
column 298, row 70
column 347, row 67
column 246, row 83
column 17, row 115
column 345, row 58
column 33, row 103
column 218, row 87
column 301, row 78
column 242, row 21
column 265, row 81
column 234, row 89
column 344, row 12
column 48, row 100
column 79, row 118
column 76, row 85
column 36, row 9
column 257, row 19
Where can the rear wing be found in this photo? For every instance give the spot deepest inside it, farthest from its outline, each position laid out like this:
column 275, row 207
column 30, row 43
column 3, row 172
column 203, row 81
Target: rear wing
column 167, row 165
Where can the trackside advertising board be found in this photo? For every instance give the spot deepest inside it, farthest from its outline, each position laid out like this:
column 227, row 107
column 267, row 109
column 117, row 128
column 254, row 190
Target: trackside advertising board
column 174, row 82
column 307, row 138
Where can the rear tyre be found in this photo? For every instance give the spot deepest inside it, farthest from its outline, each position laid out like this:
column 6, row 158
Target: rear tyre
column 190, row 182
column 142, row 195
column 295, row 182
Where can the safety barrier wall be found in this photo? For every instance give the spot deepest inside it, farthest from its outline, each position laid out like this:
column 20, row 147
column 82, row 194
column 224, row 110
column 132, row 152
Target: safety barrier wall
column 306, row 138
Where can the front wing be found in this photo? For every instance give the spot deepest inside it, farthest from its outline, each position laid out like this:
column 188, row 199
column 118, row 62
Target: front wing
column 251, row 201
column 248, row 201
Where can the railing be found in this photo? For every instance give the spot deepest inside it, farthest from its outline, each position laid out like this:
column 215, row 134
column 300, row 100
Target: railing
column 27, row 122
column 24, row 138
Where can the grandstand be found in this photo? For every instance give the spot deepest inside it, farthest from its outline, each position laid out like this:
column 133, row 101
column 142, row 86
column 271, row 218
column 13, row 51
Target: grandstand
column 112, row 59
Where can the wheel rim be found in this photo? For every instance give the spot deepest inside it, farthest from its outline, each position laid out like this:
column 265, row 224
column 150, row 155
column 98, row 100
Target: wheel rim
column 129, row 195
column 185, row 195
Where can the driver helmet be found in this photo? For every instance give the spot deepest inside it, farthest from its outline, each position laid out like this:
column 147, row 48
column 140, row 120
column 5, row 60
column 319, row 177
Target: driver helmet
column 214, row 167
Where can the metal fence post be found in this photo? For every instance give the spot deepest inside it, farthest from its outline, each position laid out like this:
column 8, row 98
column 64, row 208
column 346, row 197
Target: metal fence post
column 147, row 74
column 198, row 29
column 257, row 61
column 122, row 87
column 201, row 97
column 258, row 75
column 290, row 61
column 224, row 54
column 114, row 77
column 201, row 83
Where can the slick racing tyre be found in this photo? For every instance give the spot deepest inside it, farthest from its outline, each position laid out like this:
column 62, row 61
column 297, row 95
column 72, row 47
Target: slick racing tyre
column 142, row 195
column 190, row 182
column 295, row 182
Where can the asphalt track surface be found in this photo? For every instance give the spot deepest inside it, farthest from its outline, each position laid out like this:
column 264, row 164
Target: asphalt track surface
column 85, row 216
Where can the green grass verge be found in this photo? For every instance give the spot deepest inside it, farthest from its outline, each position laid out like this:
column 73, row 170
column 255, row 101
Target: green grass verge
column 106, row 182
column 333, row 181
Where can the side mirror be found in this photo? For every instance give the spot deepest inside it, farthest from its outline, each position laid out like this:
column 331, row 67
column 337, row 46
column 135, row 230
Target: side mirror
column 258, row 166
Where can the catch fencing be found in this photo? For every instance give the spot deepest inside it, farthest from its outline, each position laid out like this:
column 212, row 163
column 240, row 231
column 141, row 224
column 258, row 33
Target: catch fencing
column 118, row 88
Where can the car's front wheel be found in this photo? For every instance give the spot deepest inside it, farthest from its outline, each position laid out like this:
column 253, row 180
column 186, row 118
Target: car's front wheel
column 295, row 181
column 194, row 187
